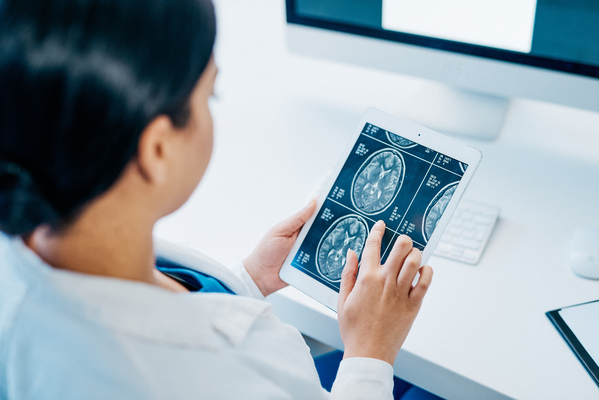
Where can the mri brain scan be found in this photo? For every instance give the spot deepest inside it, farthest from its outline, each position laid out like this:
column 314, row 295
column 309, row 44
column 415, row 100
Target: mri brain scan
column 377, row 181
column 436, row 208
column 347, row 233
column 400, row 141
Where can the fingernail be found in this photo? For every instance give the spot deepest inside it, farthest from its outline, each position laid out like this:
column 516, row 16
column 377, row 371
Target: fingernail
column 309, row 204
column 380, row 224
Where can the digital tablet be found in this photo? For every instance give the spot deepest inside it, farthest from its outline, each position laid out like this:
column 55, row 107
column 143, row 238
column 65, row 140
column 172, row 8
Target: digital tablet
column 393, row 170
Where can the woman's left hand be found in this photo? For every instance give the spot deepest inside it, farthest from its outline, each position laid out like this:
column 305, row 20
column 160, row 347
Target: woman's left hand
column 266, row 260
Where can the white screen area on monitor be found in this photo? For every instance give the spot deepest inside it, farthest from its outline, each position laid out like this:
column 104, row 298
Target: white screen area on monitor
column 502, row 24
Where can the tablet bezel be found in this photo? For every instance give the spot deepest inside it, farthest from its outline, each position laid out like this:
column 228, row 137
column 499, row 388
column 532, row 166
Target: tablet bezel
column 411, row 131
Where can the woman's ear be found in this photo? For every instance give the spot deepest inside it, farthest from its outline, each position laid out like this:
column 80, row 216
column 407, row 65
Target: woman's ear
column 152, row 153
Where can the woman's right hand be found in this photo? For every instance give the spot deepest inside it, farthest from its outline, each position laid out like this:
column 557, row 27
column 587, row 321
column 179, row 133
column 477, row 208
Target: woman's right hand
column 376, row 309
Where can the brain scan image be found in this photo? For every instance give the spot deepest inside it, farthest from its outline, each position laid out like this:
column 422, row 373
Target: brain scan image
column 378, row 181
column 436, row 208
column 400, row 141
column 349, row 232
column 463, row 167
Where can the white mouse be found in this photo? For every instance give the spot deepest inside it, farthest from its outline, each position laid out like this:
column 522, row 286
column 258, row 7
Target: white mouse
column 583, row 257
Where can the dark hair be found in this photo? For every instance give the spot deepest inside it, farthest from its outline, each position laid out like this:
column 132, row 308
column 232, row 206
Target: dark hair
column 79, row 81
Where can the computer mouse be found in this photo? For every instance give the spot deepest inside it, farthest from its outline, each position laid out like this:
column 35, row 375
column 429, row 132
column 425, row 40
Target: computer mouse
column 583, row 257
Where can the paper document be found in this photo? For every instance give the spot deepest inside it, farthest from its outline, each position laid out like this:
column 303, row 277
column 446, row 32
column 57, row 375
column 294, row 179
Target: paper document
column 583, row 320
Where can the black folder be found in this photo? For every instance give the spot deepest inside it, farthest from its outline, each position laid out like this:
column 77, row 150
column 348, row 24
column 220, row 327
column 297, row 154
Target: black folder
column 585, row 358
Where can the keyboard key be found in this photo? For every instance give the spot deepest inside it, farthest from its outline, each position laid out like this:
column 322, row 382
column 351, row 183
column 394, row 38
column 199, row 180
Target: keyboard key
column 456, row 231
column 456, row 251
column 482, row 219
column 466, row 243
column 470, row 256
column 443, row 248
column 480, row 235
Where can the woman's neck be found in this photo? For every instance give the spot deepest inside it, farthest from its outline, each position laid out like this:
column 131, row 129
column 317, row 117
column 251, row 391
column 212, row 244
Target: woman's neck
column 109, row 238
column 102, row 247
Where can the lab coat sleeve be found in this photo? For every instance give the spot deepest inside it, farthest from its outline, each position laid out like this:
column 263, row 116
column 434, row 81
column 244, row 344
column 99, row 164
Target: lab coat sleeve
column 248, row 283
column 277, row 352
column 363, row 378
column 357, row 378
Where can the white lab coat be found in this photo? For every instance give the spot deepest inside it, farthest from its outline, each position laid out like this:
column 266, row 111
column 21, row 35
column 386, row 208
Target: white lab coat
column 66, row 335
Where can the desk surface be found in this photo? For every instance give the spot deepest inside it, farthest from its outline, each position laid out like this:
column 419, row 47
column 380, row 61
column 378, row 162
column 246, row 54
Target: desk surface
column 281, row 122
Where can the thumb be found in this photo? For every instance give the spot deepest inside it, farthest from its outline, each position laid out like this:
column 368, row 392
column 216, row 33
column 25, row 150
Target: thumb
column 293, row 224
column 348, row 278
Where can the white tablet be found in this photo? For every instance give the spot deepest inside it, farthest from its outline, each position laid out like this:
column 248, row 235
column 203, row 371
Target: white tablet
column 393, row 170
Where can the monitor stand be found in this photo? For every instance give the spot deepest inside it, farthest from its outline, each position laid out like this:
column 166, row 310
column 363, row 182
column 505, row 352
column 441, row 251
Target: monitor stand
column 456, row 111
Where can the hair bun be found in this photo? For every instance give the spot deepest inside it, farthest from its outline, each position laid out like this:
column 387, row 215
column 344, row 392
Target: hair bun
column 22, row 205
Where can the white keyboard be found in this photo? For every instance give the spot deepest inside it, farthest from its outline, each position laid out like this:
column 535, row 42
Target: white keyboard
column 468, row 231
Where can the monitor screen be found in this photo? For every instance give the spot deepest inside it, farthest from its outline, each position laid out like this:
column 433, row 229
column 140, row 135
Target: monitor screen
column 560, row 35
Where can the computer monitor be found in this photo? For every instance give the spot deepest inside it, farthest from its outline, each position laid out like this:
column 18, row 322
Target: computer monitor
column 483, row 52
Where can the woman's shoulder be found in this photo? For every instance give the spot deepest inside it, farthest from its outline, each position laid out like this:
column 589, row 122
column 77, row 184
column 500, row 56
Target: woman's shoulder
column 103, row 327
column 13, row 292
column 13, row 285
column 133, row 309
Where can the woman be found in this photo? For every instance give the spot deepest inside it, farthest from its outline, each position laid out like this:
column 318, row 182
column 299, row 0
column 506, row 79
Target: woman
column 104, row 129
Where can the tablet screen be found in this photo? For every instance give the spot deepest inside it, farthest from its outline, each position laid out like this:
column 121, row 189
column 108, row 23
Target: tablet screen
column 385, row 177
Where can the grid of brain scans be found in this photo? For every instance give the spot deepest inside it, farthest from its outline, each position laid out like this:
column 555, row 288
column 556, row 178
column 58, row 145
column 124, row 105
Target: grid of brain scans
column 385, row 177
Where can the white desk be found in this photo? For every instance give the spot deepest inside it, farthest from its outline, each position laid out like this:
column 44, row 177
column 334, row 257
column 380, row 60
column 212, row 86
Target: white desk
column 282, row 121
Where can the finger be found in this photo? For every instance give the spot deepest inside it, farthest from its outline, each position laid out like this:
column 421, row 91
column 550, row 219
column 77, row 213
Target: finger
column 426, row 276
column 399, row 252
column 408, row 271
column 348, row 278
column 371, row 256
column 294, row 223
